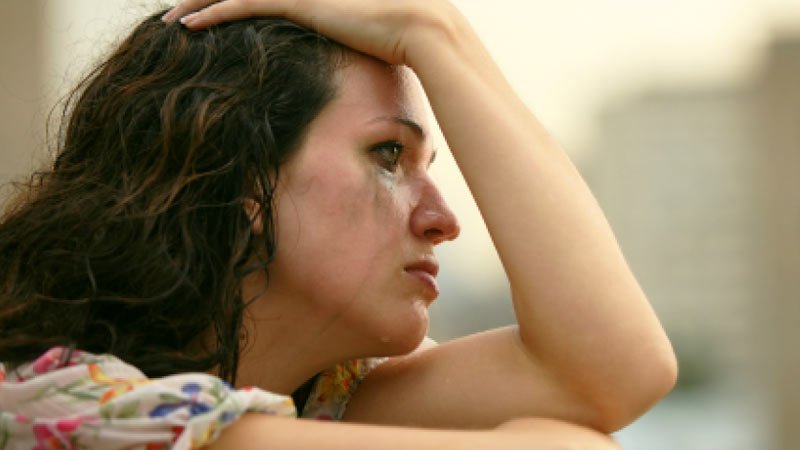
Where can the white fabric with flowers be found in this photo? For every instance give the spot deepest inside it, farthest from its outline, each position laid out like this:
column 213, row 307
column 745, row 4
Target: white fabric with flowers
column 78, row 400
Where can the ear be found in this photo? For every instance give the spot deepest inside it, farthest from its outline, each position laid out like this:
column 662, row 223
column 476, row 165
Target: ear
column 254, row 211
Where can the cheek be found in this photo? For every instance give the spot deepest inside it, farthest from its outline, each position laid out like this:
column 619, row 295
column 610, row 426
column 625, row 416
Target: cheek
column 342, row 219
column 353, row 206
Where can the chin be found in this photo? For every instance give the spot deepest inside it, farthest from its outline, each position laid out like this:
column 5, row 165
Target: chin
column 403, row 335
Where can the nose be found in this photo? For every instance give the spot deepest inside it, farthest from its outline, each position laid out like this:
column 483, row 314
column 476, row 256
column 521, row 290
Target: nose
column 431, row 218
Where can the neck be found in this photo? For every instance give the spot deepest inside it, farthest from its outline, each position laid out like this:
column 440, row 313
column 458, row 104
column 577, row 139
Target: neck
column 287, row 342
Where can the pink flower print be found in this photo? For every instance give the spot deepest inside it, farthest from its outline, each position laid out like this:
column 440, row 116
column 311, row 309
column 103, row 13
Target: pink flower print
column 48, row 361
column 55, row 436
column 52, row 359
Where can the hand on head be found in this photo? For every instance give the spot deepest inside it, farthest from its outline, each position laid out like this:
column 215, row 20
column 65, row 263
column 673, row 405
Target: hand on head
column 378, row 28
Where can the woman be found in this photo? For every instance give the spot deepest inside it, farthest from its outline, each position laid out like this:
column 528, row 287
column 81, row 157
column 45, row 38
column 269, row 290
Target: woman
column 256, row 182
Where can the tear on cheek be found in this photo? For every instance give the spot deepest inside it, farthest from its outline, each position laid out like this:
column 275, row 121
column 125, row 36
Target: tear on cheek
column 386, row 179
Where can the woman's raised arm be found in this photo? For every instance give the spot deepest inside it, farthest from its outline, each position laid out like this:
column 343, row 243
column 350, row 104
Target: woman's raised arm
column 588, row 347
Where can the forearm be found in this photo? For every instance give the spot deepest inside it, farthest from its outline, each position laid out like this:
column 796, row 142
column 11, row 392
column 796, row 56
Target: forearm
column 255, row 432
column 580, row 310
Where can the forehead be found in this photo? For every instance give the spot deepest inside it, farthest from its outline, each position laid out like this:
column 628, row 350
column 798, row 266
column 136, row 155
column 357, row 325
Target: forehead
column 370, row 89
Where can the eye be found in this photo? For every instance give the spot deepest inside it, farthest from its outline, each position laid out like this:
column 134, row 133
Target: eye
column 388, row 154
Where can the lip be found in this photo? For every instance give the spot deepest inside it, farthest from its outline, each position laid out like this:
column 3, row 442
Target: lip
column 425, row 271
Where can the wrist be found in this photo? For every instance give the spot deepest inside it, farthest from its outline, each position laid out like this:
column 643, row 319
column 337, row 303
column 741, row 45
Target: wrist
column 433, row 31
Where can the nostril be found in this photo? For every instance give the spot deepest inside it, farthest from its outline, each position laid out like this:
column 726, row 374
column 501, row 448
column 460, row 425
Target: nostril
column 435, row 236
column 445, row 229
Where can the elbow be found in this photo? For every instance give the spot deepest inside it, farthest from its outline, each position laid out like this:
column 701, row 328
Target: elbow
column 634, row 394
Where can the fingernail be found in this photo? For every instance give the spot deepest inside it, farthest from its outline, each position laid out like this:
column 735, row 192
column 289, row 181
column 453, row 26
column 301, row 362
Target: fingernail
column 188, row 19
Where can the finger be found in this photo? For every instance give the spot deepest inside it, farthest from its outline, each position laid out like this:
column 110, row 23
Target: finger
column 185, row 7
column 230, row 10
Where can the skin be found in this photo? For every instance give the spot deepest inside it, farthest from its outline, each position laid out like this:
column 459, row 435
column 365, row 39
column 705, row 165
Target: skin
column 587, row 349
column 356, row 212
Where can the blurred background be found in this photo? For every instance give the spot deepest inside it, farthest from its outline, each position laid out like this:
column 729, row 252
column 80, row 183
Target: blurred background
column 683, row 116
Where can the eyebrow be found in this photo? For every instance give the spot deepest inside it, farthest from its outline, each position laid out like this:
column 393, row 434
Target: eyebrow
column 402, row 120
column 411, row 124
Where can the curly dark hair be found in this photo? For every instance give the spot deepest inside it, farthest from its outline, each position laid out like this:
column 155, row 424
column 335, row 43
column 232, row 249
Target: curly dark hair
column 136, row 240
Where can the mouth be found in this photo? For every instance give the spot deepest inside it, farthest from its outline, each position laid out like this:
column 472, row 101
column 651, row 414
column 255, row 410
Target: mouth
column 424, row 271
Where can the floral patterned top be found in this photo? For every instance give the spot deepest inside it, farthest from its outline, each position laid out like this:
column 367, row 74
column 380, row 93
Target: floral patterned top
column 77, row 400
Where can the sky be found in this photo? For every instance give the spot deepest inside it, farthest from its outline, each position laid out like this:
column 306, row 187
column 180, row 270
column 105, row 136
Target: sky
column 565, row 58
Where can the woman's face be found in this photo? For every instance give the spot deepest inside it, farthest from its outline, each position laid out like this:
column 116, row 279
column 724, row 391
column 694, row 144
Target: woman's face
column 357, row 215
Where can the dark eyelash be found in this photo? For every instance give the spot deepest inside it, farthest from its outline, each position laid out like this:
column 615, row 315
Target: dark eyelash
column 388, row 154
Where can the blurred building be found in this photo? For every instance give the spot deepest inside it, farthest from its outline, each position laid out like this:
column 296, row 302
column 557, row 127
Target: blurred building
column 779, row 107
column 702, row 187
column 21, row 102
